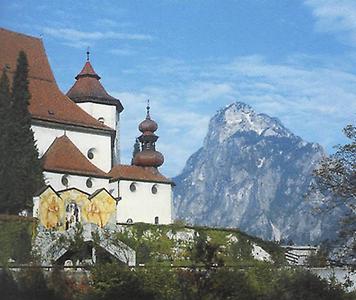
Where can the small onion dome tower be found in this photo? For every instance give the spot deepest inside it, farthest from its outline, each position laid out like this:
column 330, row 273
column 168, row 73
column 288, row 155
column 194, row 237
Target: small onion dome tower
column 148, row 156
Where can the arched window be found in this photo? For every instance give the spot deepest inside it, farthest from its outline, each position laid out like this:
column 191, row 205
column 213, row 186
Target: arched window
column 133, row 187
column 156, row 220
column 154, row 189
column 101, row 120
column 129, row 221
column 72, row 215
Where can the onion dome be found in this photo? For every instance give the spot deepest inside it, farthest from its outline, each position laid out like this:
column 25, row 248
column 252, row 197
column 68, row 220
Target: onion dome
column 148, row 125
column 148, row 156
column 88, row 88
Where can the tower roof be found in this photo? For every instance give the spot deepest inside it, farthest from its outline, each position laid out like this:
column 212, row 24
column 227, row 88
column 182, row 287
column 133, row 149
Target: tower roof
column 148, row 157
column 88, row 88
column 126, row 172
column 47, row 102
column 64, row 157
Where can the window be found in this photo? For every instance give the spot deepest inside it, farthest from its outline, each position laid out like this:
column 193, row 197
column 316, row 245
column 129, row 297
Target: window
column 129, row 221
column 154, row 189
column 133, row 187
column 101, row 120
column 156, row 220
column 65, row 180
column 89, row 183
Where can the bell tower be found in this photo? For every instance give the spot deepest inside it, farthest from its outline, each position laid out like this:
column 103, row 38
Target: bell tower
column 91, row 96
column 148, row 156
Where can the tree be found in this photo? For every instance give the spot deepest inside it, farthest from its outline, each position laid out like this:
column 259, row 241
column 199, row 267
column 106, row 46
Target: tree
column 5, row 106
column 336, row 175
column 21, row 169
column 135, row 150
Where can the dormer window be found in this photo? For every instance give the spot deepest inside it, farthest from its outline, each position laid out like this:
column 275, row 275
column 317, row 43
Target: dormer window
column 101, row 120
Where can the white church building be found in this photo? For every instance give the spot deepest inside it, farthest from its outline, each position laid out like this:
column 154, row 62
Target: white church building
column 78, row 138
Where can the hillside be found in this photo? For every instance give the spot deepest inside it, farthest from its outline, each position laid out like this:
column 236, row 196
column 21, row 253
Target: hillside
column 165, row 244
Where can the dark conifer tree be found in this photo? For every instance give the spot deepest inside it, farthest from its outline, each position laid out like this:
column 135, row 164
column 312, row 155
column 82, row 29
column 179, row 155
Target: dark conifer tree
column 23, row 169
column 136, row 150
column 5, row 124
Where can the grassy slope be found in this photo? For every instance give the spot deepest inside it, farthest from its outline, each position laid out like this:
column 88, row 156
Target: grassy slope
column 166, row 244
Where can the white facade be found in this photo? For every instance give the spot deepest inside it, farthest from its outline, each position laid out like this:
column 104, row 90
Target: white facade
column 98, row 143
column 140, row 204
column 75, row 181
column 108, row 115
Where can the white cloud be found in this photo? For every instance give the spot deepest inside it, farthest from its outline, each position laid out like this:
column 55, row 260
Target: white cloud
column 335, row 17
column 122, row 51
column 314, row 100
column 73, row 36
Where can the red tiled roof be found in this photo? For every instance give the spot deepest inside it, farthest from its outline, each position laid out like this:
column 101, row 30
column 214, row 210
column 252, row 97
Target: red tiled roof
column 63, row 156
column 88, row 88
column 137, row 173
column 87, row 70
column 47, row 101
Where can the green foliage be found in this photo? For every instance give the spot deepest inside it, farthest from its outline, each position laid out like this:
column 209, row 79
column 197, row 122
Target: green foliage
column 21, row 170
column 136, row 149
column 303, row 285
column 205, row 252
column 336, row 174
column 112, row 281
column 15, row 239
column 9, row 289
column 5, row 121
column 318, row 259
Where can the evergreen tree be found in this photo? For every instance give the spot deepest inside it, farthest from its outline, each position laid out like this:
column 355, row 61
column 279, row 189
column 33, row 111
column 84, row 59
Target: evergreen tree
column 5, row 120
column 135, row 150
column 22, row 172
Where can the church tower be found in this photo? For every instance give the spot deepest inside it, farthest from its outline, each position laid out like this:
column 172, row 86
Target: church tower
column 92, row 97
column 148, row 157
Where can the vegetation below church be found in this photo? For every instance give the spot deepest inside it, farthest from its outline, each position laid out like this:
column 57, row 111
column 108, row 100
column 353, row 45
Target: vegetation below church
column 16, row 235
column 216, row 269
column 181, row 245
column 112, row 281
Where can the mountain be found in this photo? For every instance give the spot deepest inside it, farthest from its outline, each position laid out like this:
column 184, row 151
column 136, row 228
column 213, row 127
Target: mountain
column 254, row 174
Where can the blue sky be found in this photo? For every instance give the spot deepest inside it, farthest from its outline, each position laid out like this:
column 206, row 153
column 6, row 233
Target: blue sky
column 295, row 60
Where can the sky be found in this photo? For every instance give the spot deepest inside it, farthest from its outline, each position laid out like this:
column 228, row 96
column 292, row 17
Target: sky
column 291, row 59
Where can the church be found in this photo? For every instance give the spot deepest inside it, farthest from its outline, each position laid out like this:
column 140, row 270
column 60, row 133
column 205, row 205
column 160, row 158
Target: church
column 78, row 138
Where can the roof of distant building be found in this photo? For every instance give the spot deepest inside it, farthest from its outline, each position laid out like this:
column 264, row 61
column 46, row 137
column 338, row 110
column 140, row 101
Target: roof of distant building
column 64, row 157
column 47, row 102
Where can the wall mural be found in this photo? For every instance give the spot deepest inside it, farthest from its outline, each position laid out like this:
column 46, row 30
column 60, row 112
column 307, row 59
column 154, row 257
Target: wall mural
column 65, row 209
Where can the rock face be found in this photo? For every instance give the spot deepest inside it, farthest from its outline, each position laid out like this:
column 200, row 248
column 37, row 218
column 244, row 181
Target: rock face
column 253, row 173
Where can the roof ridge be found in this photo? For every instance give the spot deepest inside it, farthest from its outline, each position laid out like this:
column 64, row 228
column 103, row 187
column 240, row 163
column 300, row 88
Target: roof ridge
column 22, row 34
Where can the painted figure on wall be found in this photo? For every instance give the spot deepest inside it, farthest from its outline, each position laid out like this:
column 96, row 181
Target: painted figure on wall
column 51, row 211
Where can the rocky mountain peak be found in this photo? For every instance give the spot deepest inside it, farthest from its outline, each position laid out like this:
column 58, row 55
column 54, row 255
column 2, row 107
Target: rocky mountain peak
column 254, row 174
column 240, row 117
